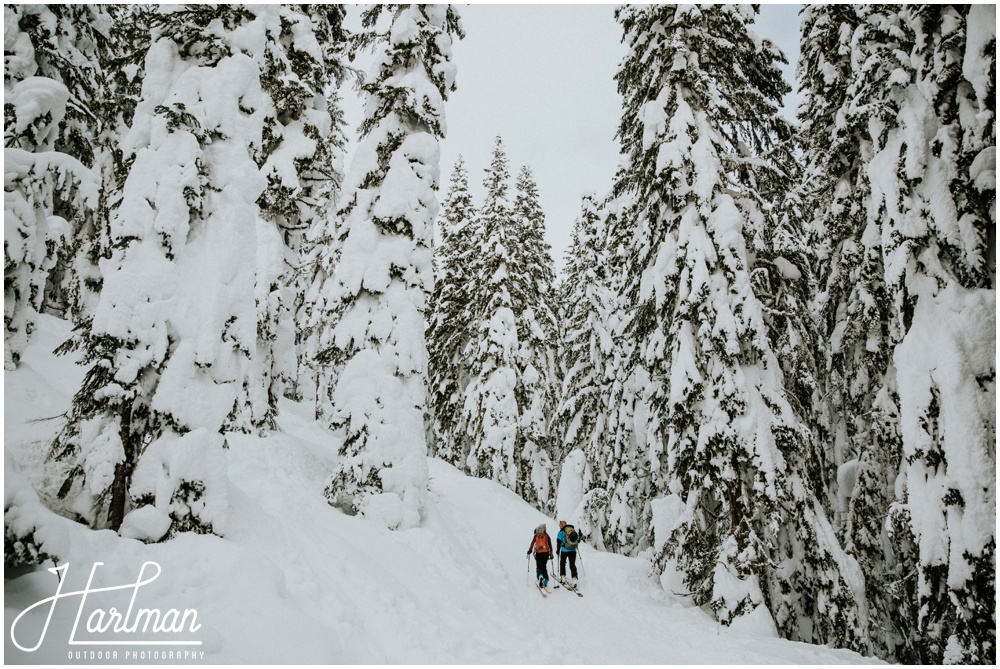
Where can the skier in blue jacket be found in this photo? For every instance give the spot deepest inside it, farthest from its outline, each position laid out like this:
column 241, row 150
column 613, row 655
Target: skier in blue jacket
column 566, row 542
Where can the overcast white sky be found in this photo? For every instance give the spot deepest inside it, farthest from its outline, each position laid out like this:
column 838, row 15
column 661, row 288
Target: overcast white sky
column 541, row 77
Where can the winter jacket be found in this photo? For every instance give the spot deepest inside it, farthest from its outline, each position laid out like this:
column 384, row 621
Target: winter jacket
column 548, row 539
column 561, row 543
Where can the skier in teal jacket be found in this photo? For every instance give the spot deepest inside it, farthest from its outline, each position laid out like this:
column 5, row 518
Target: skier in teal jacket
column 566, row 542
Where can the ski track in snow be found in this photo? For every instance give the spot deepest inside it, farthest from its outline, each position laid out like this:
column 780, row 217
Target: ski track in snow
column 295, row 580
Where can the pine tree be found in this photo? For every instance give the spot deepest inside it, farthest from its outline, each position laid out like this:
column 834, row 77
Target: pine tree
column 112, row 106
column 96, row 53
column 449, row 328
column 532, row 283
column 302, row 158
column 724, row 444
column 186, row 291
column 853, row 308
column 900, row 102
column 51, row 82
column 615, row 456
column 582, row 415
column 936, row 216
column 319, row 255
column 384, row 277
column 490, row 412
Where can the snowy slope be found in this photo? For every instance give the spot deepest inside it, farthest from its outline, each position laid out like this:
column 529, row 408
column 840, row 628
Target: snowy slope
column 297, row 581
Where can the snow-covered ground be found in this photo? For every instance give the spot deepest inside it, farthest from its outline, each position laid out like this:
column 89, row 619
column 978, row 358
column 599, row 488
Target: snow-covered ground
column 297, row 581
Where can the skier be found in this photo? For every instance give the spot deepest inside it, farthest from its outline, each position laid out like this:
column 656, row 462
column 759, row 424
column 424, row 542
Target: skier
column 566, row 542
column 542, row 546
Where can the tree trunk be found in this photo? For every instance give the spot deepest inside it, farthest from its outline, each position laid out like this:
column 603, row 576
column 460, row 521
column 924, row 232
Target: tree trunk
column 123, row 470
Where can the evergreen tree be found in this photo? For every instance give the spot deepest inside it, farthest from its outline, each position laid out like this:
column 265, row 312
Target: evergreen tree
column 899, row 104
column 723, row 442
column 491, row 412
column 319, row 255
column 383, row 277
column 853, row 308
column 616, row 456
column 532, row 283
column 936, row 214
column 185, row 295
column 51, row 83
column 450, row 325
column 581, row 420
column 96, row 53
column 111, row 109
column 587, row 341
column 302, row 158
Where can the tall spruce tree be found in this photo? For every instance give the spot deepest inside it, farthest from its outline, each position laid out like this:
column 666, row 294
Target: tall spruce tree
column 853, row 308
column 53, row 84
column 450, row 325
column 302, row 159
column 491, row 411
column 898, row 102
column 581, row 419
column 318, row 258
column 740, row 517
column 178, row 315
column 383, row 278
column 936, row 212
column 112, row 106
column 532, row 283
column 609, row 514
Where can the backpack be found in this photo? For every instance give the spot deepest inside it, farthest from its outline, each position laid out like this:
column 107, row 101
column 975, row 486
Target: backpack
column 572, row 539
column 542, row 543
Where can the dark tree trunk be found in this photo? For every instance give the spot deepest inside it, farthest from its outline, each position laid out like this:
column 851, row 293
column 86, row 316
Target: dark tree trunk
column 123, row 470
column 736, row 510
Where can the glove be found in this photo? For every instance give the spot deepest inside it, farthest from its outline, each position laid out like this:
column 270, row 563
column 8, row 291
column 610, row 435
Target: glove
column 529, row 552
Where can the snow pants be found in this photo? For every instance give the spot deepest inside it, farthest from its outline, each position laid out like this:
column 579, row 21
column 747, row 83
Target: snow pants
column 541, row 568
column 562, row 563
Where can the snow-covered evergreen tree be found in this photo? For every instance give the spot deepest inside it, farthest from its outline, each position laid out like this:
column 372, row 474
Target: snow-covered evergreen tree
column 96, row 53
column 450, row 326
column 581, row 420
column 314, row 315
column 587, row 341
column 853, row 308
column 52, row 83
column 898, row 104
column 609, row 517
column 723, row 442
column 302, row 158
column 186, row 291
column 532, row 285
column 933, row 194
column 490, row 412
column 832, row 185
column 383, row 277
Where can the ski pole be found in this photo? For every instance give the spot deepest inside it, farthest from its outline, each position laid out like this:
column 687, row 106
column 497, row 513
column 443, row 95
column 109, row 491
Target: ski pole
column 529, row 570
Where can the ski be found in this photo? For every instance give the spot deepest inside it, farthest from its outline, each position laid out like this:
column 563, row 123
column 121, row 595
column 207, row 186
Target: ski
column 570, row 588
column 541, row 590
